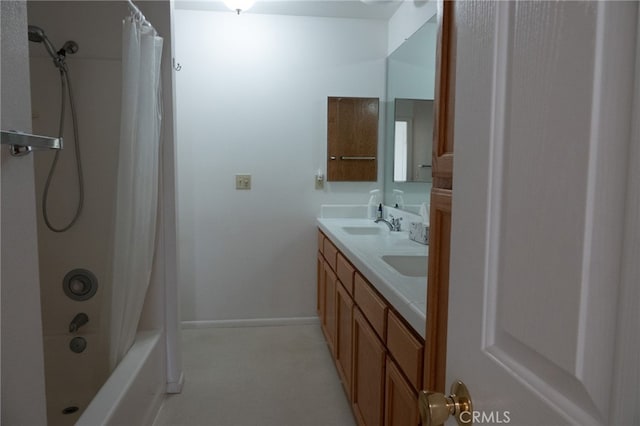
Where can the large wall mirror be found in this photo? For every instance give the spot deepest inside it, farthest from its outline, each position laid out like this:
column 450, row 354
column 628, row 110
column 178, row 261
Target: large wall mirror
column 411, row 70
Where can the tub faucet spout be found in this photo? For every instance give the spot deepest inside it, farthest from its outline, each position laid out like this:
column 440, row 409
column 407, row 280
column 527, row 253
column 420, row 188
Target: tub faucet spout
column 78, row 321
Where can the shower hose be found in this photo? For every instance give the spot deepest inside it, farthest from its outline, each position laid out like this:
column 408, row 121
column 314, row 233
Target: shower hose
column 65, row 84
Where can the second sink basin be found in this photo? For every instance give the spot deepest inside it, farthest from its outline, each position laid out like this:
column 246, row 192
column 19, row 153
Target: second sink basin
column 410, row 266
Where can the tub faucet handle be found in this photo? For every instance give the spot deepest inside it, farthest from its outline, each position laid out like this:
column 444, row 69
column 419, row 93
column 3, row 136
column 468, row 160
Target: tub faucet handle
column 78, row 321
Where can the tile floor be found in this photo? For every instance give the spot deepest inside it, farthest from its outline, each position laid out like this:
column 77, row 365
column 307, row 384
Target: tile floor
column 257, row 376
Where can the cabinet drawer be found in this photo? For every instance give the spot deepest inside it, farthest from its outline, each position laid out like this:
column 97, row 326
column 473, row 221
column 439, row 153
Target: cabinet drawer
column 330, row 253
column 406, row 349
column 345, row 273
column 321, row 238
column 371, row 305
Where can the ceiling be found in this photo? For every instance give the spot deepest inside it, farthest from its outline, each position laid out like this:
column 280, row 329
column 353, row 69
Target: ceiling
column 365, row 9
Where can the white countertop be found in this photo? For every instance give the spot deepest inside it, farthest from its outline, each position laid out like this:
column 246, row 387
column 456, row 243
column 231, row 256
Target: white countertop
column 407, row 295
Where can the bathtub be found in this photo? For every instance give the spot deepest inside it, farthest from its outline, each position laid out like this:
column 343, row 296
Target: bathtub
column 133, row 393
column 72, row 379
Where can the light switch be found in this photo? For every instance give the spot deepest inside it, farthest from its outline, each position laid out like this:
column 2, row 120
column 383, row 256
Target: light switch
column 243, row 181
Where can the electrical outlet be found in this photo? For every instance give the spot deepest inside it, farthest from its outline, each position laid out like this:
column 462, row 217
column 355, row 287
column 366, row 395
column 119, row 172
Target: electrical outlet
column 243, row 181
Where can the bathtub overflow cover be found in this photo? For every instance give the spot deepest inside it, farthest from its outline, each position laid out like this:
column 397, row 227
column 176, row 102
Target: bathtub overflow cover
column 80, row 284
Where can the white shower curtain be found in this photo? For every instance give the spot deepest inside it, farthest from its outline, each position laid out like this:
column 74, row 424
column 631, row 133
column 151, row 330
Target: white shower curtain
column 137, row 189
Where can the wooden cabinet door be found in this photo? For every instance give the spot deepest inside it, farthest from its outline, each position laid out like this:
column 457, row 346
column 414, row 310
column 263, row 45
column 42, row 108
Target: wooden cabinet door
column 400, row 408
column 368, row 373
column 344, row 323
column 352, row 139
column 329, row 319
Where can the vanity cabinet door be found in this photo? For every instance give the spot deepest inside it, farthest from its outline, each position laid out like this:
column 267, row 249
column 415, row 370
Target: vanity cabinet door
column 329, row 319
column 369, row 358
column 320, row 287
column 344, row 314
column 400, row 404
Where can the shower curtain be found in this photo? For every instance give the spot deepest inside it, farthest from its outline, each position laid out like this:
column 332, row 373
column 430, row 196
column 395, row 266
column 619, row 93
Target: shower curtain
column 137, row 188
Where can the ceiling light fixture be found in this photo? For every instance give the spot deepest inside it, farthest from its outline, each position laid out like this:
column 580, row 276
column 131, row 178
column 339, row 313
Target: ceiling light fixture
column 239, row 5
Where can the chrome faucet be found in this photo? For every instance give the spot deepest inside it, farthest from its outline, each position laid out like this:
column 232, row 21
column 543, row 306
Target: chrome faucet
column 78, row 321
column 385, row 222
column 393, row 223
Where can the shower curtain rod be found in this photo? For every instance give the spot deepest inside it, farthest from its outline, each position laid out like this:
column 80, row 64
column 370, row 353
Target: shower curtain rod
column 138, row 13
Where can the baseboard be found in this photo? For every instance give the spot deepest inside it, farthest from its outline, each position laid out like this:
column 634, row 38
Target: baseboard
column 258, row 322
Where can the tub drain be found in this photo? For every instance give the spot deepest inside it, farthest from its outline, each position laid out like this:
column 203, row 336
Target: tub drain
column 70, row 410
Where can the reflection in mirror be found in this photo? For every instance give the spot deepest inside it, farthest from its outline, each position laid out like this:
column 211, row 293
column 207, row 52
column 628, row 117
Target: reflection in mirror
column 412, row 140
column 411, row 70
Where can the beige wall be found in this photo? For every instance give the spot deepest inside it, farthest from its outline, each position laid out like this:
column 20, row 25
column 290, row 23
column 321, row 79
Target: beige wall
column 23, row 396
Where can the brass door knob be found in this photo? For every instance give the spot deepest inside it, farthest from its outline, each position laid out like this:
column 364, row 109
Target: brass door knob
column 435, row 407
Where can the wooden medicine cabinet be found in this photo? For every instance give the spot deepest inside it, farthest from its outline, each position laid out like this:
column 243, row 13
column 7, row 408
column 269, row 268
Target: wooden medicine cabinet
column 352, row 139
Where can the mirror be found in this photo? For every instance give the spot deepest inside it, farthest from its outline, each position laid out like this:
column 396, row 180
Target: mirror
column 411, row 70
column 412, row 140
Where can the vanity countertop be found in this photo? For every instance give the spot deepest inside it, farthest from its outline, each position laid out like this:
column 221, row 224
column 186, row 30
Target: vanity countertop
column 407, row 294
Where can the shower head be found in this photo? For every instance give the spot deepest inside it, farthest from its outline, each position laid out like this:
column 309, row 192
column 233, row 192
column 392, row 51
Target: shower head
column 37, row 35
column 70, row 47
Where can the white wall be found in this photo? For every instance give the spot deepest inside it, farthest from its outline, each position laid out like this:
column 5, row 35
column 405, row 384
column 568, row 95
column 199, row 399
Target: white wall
column 251, row 98
column 409, row 17
column 23, row 394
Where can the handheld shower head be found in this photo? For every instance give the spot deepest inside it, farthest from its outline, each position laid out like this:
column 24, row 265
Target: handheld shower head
column 37, row 35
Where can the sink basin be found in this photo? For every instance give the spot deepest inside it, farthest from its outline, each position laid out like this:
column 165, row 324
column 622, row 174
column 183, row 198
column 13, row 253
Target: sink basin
column 410, row 266
column 362, row 230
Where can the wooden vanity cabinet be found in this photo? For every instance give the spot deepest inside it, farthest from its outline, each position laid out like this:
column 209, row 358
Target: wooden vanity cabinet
column 378, row 356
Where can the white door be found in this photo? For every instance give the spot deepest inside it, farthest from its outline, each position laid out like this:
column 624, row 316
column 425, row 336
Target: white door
column 543, row 323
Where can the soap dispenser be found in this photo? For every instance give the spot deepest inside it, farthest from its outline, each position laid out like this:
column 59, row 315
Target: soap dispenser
column 374, row 200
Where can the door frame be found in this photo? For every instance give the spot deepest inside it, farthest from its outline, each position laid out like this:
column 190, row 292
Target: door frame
column 435, row 353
